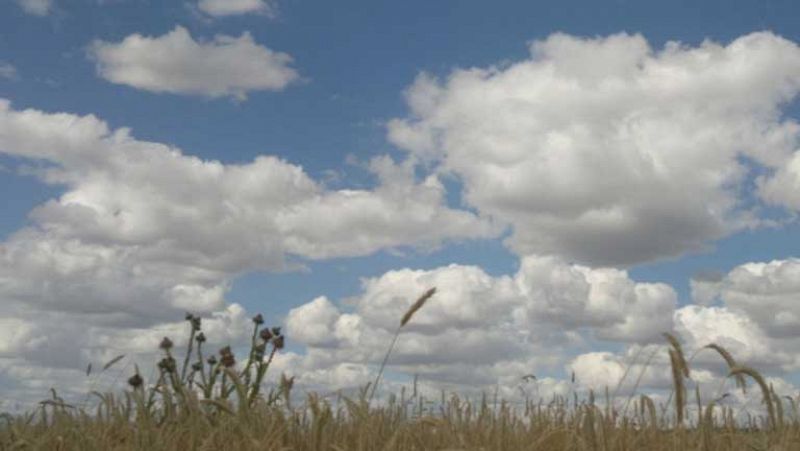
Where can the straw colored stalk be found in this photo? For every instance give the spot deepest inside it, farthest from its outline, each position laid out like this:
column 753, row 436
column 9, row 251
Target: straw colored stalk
column 765, row 391
column 403, row 321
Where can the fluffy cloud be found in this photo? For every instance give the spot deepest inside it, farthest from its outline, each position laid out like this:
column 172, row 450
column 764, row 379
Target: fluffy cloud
column 159, row 205
column 221, row 8
column 36, row 7
column 606, row 151
column 783, row 188
column 735, row 331
column 143, row 233
column 766, row 292
column 176, row 63
column 479, row 330
column 647, row 370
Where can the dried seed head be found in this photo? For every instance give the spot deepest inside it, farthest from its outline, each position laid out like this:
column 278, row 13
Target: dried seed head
column 166, row 344
column 196, row 323
column 416, row 306
column 189, row 316
column 167, row 364
column 276, row 331
column 265, row 334
column 226, row 357
column 211, row 360
column 278, row 342
column 135, row 381
column 228, row 360
column 201, row 338
column 258, row 319
column 197, row 366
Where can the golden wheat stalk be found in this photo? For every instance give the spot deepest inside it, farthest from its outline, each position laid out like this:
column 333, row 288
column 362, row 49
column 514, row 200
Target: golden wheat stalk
column 403, row 321
column 765, row 391
column 740, row 381
column 416, row 306
column 681, row 360
column 677, row 381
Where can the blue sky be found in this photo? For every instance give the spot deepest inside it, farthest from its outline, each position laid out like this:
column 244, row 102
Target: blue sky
column 354, row 66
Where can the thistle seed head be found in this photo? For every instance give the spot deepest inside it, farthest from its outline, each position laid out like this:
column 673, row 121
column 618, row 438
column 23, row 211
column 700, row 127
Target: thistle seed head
column 166, row 344
column 135, row 381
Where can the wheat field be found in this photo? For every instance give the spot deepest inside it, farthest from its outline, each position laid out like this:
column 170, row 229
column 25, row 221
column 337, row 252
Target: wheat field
column 209, row 401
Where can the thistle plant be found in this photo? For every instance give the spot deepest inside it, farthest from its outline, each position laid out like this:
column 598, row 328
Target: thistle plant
column 204, row 384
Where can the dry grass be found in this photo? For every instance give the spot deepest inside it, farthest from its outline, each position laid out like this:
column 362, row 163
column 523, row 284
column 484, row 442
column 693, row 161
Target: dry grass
column 209, row 404
column 403, row 321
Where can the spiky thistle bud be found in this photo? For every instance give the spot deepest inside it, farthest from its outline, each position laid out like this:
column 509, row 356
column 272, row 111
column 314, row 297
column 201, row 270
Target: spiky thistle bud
column 135, row 381
column 167, row 364
column 258, row 319
column 166, row 344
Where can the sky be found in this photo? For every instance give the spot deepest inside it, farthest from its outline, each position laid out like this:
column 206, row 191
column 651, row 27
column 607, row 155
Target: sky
column 574, row 177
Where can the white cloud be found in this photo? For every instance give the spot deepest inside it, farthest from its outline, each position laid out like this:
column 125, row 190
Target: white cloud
column 176, row 63
column 605, row 155
column 163, row 206
column 221, row 8
column 36, row 7
column 736, row 332
column 606, row 151
column 705, row 287
column 7, row 71
column 598, row 370
column 480, row 330
column 143, row 233
column 766, row 292
column 783, row 188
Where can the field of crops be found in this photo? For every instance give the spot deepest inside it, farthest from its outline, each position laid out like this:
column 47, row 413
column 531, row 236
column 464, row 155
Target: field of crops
column 210, row 401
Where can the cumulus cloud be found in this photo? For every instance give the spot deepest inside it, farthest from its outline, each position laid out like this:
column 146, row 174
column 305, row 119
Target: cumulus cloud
column 211, row 216
column 705, row 286
column 597, row 152
column 783, row 188
column 735, row 331
column 751, row 318
column 142, row 233
column 479, row 330
column 222, row 8
column 36, row 7
column 647, row 371
column 609, row 152
column 766, row 292
column 176, row 63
